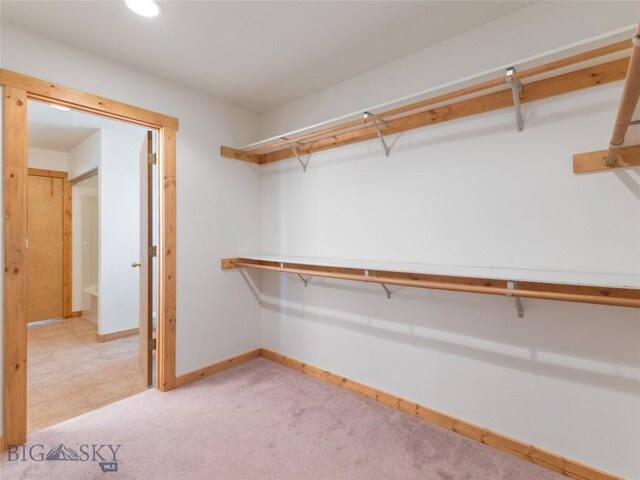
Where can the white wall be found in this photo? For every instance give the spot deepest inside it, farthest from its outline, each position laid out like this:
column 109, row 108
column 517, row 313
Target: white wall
column 48, row 159
column 471, row 192
column 119, row 204
column 539, row 28
column 80, row 300
column 217, row 199
column 474, row 192
column 85, row 156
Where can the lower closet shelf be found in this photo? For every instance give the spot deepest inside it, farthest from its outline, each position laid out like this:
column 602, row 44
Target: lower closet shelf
column 603, row 289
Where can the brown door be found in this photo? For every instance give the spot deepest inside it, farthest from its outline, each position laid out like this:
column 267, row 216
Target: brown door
column 45, row 217
column 146, row 261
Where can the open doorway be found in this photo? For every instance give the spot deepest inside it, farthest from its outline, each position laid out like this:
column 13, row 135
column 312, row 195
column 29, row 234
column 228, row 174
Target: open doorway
column 18, row 89
column 91, row 262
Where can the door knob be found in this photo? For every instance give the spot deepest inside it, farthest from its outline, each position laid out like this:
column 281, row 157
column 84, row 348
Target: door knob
column 135, row 264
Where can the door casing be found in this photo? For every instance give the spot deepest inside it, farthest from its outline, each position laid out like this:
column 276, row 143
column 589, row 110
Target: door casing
column 18, row 89
column 145, row 330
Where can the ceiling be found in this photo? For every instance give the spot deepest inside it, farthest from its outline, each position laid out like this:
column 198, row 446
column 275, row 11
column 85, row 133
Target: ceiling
column 254, row 53
column 62, row 131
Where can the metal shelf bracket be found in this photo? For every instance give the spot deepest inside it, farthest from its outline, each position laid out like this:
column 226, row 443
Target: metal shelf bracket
column 304, row 280
column 519, row 306
column 516, row 90
column 384, row 286
column 376, row 127
column 303, row 163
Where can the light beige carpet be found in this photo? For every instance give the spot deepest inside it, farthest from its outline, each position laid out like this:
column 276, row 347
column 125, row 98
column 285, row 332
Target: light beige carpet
column 258, row 421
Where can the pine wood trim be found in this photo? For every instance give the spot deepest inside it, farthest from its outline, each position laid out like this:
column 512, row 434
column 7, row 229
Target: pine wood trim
column 359, row 131
column 15, row 265
column 237, row 154
column 67, row 249
column 593, row 161
column 622, row 297
column 49, row 92
column 18, row 90
column 39, row 172
column 166, row 329
column 551, row 461
column 541, row 89
column 107, row 337
column 2, row 444
column 470, row 90
column 217, row 367
column 628, row 102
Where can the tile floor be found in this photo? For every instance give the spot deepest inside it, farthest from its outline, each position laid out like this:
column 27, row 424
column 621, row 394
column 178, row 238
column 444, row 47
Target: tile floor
column 69, row 372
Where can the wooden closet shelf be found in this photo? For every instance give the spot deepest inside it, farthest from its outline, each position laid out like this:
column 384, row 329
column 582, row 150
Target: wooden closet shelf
column 601, row 289
column 618, row 155
column 506, row 90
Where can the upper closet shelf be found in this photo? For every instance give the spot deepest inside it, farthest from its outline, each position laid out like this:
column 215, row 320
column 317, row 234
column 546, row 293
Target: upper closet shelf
column 532, row 80
column 583, row 287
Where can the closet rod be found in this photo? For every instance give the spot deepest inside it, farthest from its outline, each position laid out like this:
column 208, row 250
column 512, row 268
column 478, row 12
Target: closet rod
column 455, row 287
column 472, row 89
column 628, row 104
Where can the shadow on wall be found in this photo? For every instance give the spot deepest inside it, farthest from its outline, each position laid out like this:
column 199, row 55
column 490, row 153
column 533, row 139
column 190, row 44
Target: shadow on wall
column 555, row 339
column 631, row 180
column 373, row 149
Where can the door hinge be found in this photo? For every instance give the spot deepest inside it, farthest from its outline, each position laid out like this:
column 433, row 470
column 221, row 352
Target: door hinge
column 153, row 251
column 153, row 344
column 152, row 158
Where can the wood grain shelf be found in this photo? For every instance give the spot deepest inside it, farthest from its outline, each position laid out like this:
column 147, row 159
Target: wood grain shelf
column 582, row 287
column 618, row 155
column 498, row 90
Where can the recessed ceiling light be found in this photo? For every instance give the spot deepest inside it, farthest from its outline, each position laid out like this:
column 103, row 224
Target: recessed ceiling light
column 146, row 8
column 60, row 107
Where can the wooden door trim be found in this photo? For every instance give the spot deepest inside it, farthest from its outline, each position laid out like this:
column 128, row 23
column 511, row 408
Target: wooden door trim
column 15, row 266
column 39, row 172
column 18, row 89
column 67, row 232
column 49, row 92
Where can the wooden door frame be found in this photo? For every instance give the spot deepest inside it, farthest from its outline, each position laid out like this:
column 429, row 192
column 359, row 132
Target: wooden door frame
column 18, row 89
column 67, row 276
